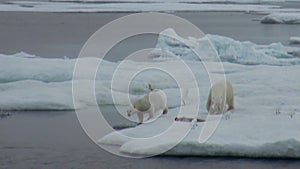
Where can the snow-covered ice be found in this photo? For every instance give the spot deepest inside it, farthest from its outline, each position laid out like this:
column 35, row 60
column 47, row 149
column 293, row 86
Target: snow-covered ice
column 228, row 49
column 253, row 129
column 282, row 18
column 52, row 77
column 295, row 52
column 247, row 134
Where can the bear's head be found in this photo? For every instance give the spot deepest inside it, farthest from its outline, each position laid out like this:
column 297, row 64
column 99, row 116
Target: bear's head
column 131, row 110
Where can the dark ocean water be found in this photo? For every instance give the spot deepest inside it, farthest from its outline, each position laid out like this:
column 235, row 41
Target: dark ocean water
column 57, row 35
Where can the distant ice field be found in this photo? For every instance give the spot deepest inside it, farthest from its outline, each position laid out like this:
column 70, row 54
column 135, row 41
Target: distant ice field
column 144, row 6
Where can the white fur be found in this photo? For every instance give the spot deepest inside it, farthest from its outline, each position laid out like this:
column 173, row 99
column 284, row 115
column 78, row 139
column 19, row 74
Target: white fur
column 156, row 100
column 220, row 95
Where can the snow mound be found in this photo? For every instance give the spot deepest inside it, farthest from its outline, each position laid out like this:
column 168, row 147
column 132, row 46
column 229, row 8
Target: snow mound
column 228, row 49
column 282, row 18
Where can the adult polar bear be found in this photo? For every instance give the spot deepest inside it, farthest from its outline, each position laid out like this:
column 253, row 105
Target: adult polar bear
column 150, row 103
column 219, row 95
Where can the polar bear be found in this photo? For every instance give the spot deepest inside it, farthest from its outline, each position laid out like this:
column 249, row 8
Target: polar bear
column 219, row 95
column 150, row 103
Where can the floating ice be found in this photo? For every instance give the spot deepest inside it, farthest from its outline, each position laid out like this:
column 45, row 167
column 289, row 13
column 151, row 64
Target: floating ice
column 295, row 52
column 23, row 66
column 29, row 82
column 19, row 67
column 35, row 95
column 253, row 130
column 282, row 18
column 228, row 49
column 295, row 40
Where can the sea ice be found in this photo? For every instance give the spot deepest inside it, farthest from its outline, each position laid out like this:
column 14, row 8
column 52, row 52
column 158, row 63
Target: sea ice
column 282, row 18
column 253, row 130
column 228, row 49
column 295, row 40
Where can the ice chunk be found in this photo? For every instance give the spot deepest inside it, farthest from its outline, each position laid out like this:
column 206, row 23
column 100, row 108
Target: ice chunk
column 228, row 49
column 295, row 40
column 281, row 18
column 295, row 52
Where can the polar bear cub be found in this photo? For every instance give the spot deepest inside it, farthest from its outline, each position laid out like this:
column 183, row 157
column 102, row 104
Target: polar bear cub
column 220, row 95
column 150, row 103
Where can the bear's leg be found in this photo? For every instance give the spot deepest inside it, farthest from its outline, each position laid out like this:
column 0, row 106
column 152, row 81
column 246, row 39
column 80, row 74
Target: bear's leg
column 165, row 111
column 151, row 112
column 208, row 103
column 230, row 104
column 140, row 116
